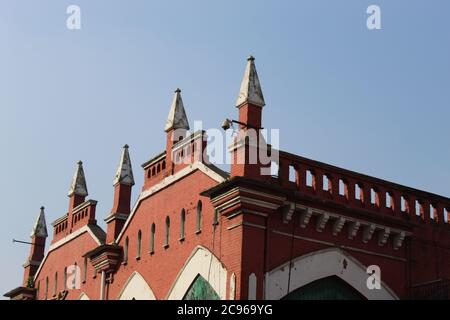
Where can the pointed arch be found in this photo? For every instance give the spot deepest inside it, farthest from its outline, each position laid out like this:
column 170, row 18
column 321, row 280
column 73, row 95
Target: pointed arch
column 167, row 235
column 322, row 264
column 198, row 223
column 200, row 289
column 152, row 238
column 83, row 296
column 182, row 223
column 139, row 244
column 136, row 288
column 201, row 262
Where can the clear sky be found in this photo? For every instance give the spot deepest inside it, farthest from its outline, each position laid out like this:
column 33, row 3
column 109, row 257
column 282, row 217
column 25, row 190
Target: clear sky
column 373, row 101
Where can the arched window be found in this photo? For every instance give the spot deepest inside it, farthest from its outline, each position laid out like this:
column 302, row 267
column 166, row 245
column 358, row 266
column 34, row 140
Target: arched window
column 199, row 216
column 38, row 289
column 166, row 240
column 216, row 217
column 75, row 280
column 55, row 287
column 125, row 251
column 65, row 278
column 139, row 243
column 46, row 288
column 152, row 238
column 182, row 222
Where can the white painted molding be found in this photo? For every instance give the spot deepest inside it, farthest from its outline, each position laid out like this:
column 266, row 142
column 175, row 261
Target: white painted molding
column 83, row 296
column 321, row 264
column 383, row 236
column 322, row 221
column 252, row 286
column 136, row 287
column 201, row 262
column 368, row 232
column 167, row 182
column 288, row 211
column 232, row 295
column 338, row 225
column 66, row 239
column 305, row 217
column 353, row 229
column 398, row 240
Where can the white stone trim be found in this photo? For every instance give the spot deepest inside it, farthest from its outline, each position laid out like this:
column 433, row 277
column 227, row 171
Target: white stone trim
column 232, row 294
column 200, row 262
column 322, row 264
column 72, row 236
column 167, row 182
column 258, row 193
column 332, row 244
column 252, row 286
column 66, row 239
column 288, row 211
column 136, row 287
column 83, row 296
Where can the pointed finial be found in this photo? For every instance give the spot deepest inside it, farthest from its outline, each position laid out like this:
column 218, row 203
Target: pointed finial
column 124, row 173
column 40, row 226
column 177, row 118
column 250, row 91
column 78, row 185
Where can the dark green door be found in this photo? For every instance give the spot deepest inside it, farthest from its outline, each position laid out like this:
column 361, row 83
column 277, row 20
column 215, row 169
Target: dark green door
column 200, row 289
column 331, row 288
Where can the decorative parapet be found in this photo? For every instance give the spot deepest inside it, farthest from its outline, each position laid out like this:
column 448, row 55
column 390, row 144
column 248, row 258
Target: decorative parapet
column 358, row 191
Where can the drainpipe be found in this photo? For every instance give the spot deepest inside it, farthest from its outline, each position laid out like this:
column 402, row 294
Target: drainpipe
column 102, row 286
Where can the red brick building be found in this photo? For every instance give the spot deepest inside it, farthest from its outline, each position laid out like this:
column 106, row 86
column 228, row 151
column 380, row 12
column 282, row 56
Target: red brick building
column 308, row 231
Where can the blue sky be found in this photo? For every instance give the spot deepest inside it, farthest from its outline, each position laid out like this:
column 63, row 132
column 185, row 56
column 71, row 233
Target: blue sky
column 376, row 102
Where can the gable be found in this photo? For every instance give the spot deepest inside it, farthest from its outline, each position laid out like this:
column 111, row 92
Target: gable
column 72, row 247
column 212, row 174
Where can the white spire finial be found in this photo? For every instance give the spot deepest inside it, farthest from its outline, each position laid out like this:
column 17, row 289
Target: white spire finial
column 124, row 174
column 40, row 227
column 78, row 185
column 250, row 87
column 177, row 118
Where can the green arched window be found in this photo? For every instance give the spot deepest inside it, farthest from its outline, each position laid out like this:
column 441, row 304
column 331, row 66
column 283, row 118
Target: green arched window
column 330, row 288
column 200, row 289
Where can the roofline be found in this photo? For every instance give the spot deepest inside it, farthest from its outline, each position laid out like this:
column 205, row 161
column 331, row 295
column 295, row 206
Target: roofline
column 363, row 176
column 59, row 220
column 156, row 158
column 212, row 171
column 68, row 238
